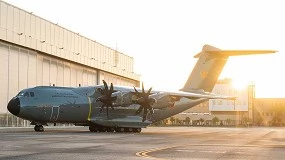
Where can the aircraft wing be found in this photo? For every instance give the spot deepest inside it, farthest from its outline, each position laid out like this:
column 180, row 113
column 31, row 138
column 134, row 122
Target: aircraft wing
column 180, row 94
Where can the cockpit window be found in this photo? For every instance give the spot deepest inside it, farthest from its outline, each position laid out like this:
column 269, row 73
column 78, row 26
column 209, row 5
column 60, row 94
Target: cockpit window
column 32, row 94
column 21, row 94
column 26, row 94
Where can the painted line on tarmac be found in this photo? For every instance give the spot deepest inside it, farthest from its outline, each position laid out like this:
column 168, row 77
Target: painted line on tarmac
column 144, row 154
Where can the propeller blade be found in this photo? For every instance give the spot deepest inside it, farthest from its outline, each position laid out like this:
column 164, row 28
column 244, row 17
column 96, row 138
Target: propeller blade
column 139, row 110
column 144, row 101
column 111, row 88
column 148, row 92
column 106, row 97
column 142, row 88
column 105, row 85
column 136, row 90
column 144, row 114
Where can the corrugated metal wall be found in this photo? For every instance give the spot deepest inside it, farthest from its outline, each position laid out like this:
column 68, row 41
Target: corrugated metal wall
column 51, row 55
column 23, row 28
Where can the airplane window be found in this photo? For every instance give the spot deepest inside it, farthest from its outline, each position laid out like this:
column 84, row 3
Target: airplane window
column 26, row 94
column 32, row 94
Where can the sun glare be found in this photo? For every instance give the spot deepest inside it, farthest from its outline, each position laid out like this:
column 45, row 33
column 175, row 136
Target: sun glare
column 239, row 83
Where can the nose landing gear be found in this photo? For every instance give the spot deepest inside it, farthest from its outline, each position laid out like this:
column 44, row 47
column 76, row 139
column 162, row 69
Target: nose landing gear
column 39, row 128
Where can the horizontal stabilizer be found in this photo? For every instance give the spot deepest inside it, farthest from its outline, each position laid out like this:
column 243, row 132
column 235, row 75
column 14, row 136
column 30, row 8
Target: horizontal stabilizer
column 215, row 51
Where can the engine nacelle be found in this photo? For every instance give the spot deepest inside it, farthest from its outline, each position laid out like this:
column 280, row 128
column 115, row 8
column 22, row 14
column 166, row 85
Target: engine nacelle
column 124, row 99
column 163, row 101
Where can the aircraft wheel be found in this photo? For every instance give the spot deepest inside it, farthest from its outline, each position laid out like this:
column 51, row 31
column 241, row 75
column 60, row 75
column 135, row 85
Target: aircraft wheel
column 128, row 129
column 137, row 130
column 110, row 129
column 93, row 129
column 103, row 129
column 119, row 129
column 39, row 128
column 36, row 128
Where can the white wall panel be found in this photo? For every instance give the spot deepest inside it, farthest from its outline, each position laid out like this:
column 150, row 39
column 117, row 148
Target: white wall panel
column 53, row 72
column 32, row 70
column 22, row 15
column 16, row 25
column 47, row 32
column 39, row 70
column 85, row 78
column 4, row 64
column 3, row 21
column 60, row 72
column 33, row 32
column 16, row 20
column 56, row 39
column 52, row 41
column 10, row 18
column 3, row 15
column 23, row 69
column 90, row 79
column 73, row 76
column 46, row 72
column 22, row 20
column 79, row 74
column 27, row 22
column 13, row 72
column 67, row 75
column 38, row 28
column 65, row 39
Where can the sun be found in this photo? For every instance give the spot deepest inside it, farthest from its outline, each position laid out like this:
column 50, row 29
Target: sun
column 240, row 83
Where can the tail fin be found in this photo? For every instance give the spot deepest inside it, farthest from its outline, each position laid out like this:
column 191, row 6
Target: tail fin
column 209, row 66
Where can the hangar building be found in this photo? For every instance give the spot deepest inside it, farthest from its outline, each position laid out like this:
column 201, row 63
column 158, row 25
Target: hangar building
column 35, row 52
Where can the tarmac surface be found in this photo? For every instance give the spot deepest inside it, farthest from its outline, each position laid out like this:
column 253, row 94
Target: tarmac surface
column 152, row 143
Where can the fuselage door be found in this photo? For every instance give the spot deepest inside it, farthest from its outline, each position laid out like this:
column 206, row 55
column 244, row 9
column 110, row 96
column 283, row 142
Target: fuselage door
column 54, row 113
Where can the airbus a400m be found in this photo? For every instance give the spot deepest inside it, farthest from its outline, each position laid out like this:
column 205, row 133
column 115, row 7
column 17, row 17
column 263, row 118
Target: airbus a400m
column 122, row 109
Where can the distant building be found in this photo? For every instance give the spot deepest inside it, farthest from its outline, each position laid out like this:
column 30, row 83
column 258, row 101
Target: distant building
column 269, row 111
column 228, row 112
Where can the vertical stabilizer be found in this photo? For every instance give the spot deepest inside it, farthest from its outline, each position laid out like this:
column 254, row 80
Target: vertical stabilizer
column 209, row 66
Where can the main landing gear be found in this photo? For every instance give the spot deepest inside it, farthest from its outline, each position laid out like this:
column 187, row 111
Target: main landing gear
column 112, row 129
column 39, row 128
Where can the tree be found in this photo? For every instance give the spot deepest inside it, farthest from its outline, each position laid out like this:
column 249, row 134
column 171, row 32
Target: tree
column 215, row 120
column 178, row 121
column 276, row 120
column 228, row 120
column 246, row 120
column 202, row 120
column 259, row 120
column 187, row 120
column 172, row 120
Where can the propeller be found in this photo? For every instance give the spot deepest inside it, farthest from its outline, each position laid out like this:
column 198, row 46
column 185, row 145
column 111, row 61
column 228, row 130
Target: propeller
column 106, row 97
column 145, row 102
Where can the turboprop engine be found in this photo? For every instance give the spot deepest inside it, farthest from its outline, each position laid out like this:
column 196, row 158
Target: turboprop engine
column 124, row 99
column 163, row 100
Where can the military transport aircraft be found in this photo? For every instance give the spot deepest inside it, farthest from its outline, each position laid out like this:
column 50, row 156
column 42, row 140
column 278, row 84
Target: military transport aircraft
column 122, row 109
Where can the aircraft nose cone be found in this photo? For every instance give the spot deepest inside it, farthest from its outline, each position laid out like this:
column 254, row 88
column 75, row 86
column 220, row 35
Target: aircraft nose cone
column 14, row 106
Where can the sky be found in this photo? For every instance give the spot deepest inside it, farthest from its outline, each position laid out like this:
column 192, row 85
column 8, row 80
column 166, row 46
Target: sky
column 164, row 35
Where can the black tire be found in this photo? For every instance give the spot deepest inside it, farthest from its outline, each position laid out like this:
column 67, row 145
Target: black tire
column 128, row 129
column 36, row 128
column 103, row 129
column 120, row 129
column 110, row 129
column 92, row 129
column 137, row 130
column 41, row 128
